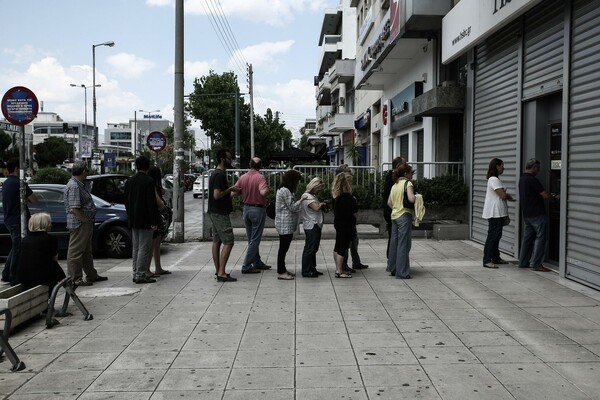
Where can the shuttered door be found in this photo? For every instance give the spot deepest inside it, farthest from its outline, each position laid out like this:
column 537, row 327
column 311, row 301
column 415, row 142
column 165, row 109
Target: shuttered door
column 496, row 102
column 543, row 49
column 583, row 212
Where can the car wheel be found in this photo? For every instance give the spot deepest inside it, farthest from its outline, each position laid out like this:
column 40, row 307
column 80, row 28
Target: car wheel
column 195, row 195
column 116, row 242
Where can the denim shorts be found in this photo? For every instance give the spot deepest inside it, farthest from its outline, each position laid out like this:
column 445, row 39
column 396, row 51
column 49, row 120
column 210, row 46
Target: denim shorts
column 222, row 229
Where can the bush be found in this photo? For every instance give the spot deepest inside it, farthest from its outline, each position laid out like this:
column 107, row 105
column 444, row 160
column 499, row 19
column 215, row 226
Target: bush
column 442, row 191
column 51, row 175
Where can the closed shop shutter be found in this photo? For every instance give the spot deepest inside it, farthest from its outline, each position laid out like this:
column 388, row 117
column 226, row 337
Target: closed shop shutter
column 543, row 49
column 496, row 102
column 583, row 216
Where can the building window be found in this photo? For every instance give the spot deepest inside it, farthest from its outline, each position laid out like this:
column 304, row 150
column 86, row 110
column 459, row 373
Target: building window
column 404, row 146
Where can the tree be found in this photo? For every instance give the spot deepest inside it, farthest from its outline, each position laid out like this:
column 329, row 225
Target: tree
column 270, row 134
column 5, row 142
column 166, row 156
column 213, row 104
column 52, row 151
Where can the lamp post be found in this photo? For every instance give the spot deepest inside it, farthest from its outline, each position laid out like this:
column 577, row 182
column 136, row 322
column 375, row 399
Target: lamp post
column 85, row 88
column 149, row 122
column 109, row 44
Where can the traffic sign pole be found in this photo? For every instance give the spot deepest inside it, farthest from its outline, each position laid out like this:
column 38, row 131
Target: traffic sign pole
column 20, row 107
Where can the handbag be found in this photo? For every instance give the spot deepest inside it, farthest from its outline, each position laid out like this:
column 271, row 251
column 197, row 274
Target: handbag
column 271, row 210
column 405, row 202
column 506, row 221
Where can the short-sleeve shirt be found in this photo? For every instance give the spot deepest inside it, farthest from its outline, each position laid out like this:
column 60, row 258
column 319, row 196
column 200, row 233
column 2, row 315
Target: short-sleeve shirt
column 224, row 205
column 494, row 206
column 251, row 183
column 532, row 202
column 78, row 196
column 310, row 217
column 11, row 199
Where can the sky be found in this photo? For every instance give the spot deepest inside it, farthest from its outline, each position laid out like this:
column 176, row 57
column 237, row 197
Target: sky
column 47, row 45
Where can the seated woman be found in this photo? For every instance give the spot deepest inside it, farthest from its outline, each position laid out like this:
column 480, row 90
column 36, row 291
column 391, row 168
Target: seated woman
column 38, row 264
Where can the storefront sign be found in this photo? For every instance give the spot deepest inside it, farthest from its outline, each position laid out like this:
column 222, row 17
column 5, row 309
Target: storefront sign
column 471, row 21
column 366, row 26
column 401, row 106
column 378, row 45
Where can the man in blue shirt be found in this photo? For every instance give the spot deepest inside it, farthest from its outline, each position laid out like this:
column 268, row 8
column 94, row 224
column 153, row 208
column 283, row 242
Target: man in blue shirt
column 11, row 200
column 531, row 197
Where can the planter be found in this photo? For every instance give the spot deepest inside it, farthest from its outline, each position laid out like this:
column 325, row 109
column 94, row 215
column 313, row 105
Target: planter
column 24, row 303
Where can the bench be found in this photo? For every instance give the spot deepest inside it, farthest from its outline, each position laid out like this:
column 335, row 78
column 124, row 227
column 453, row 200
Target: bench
column 5, row 347
column 23, row 302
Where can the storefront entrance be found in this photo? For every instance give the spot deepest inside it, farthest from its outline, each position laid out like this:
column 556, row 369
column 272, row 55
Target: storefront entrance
column 542, row 139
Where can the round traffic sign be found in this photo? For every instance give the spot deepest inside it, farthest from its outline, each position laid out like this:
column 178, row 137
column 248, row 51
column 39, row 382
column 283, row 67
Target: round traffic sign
column 156, row 141
column 19, row 105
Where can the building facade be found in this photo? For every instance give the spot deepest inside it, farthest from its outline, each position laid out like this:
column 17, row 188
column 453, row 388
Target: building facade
column 532, row 93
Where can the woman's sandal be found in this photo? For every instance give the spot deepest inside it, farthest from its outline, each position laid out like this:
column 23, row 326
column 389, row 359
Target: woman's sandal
column 343, row 275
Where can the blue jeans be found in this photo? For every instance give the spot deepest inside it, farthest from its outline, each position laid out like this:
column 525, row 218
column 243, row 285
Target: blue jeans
column 254, row 219
column 533, row 245
column 9, row 273
column 311, row 248
column 491, row 251
column 400, row 244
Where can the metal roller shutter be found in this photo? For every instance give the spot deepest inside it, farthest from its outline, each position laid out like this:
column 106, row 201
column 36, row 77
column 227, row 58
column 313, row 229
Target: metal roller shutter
column 583, row 184
column 543, row 39
column 495, row 122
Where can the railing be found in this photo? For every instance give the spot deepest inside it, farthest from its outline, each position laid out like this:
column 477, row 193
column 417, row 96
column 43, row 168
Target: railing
column 364, row 176
column 432, row 169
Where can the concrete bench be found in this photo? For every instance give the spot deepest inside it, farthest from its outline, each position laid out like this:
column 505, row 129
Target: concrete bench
column 24, row 303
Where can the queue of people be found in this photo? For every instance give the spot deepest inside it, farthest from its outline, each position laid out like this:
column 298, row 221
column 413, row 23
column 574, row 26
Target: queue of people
column 147, row 215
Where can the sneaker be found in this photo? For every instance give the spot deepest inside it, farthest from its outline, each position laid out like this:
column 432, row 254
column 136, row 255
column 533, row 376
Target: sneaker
column 490, row 265
column 227, row 278
column 251, row 271
column 263, row 267
column 285, row 276
column 98, row 278
column 144, row 280
column 81, row 282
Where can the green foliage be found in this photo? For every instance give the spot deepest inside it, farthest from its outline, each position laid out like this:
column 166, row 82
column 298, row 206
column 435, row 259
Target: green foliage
column 52, row 151
column 443, row 191
column 51, row 175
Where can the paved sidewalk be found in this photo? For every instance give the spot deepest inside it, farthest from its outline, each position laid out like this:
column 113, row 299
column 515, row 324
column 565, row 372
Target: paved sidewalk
column 455, row 331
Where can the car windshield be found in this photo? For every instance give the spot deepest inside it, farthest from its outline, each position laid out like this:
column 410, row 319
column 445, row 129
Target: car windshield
column 98, row 202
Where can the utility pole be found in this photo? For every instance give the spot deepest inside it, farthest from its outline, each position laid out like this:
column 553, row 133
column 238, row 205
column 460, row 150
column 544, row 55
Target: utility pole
column 251, row 89
column 178, row 151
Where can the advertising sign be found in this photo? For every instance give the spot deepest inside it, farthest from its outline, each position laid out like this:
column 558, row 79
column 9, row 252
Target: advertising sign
column 156, row 141
column 19, row 105
column 86, row 149
column 110, row 160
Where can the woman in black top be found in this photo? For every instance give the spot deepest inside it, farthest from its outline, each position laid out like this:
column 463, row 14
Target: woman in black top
column 38, row 264
column 344, row 220
column 161, row 231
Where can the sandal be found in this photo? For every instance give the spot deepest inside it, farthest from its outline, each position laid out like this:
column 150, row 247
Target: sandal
column 490, row 265
column 343, row 275
column 285, row 276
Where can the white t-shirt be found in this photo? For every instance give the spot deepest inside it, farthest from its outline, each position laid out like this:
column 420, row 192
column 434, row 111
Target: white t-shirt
column 494, row 206
column 310, row 217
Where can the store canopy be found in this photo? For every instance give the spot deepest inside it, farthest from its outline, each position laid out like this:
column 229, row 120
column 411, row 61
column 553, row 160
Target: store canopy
column 294, row 154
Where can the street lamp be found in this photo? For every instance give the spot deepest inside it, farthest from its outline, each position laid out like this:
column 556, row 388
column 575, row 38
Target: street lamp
column 109, row 44
column 85, row 88
column 149, row 121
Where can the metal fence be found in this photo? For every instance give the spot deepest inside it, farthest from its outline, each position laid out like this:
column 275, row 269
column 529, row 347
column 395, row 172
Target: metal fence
column 432, row 169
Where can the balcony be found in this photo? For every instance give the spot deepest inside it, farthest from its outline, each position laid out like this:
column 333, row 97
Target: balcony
column 342, row 71
column 331, row 50
column 340, row 122
column 422, row 17
column 446, row 99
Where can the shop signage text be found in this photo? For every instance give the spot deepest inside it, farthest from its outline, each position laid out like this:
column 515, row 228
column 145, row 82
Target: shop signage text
column 378, row 45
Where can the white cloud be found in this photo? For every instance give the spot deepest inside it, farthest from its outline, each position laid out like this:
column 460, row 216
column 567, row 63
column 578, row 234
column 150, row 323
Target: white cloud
column 129, row 65
column 26, row 54
column 295, row 100
column 269, row 12
column 262, row 55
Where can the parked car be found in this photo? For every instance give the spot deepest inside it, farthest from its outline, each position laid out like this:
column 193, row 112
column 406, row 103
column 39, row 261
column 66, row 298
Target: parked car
column 201, row 187
column 111, row 238
column 109, row 187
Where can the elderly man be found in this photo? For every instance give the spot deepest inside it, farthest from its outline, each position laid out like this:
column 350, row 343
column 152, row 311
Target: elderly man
column 253, row 188
column 531, row 197
column 80, row 222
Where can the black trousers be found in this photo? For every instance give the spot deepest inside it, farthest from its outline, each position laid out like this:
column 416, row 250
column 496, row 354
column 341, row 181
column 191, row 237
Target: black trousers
column 284, row 245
